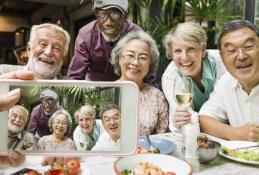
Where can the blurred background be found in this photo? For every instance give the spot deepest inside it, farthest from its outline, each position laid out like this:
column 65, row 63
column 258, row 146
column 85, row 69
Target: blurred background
column 155, row 16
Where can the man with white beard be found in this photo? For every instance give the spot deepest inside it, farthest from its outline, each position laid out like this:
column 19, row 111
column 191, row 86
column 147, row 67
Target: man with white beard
column 47, row 49
column 17, row 137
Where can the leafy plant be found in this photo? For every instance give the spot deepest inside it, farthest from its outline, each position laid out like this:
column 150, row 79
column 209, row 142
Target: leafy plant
column 71, row 98
column 208, row 12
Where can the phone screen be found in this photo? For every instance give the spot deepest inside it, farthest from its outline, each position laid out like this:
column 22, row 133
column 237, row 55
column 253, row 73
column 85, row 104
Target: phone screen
column 69, row 117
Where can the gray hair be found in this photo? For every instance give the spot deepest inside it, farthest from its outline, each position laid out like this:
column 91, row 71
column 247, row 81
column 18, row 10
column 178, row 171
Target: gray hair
column 55, row 114
column 235, row 25
column 86, row 110
column 107, row 108
column 187, row 32
column 117, row 51
column 21, row 108
column 54, row 27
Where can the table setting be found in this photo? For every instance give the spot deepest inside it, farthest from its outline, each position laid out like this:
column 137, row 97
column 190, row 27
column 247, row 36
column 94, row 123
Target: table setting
column 168, row 159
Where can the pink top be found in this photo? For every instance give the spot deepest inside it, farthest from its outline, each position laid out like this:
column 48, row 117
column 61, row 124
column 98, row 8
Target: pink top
column 47, row 143
column 153, row 111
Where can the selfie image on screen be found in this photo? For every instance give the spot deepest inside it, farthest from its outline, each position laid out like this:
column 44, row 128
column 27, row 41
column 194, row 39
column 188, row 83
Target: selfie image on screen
column 76, row 118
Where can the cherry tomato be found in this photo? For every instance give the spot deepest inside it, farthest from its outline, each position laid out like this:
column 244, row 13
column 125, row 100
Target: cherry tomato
column 56, row 172
column 73, row 167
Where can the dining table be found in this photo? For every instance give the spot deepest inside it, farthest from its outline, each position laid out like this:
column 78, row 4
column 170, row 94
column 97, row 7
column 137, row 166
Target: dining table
column 100, row 165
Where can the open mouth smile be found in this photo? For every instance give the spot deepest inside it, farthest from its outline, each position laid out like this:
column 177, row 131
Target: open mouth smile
column 243, row 66
column 133, row 70
column 187, row 64
column 48, row 61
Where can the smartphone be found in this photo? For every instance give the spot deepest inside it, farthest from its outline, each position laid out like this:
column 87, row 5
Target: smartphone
column 47, row 118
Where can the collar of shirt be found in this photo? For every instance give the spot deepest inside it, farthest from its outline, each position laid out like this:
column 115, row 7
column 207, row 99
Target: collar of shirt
column 19, row 136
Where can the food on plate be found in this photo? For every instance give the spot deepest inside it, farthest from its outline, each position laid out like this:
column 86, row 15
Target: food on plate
column 71, row 167
column 141, row 150
column 204, row 142
column 245, row 154
column 146, row 168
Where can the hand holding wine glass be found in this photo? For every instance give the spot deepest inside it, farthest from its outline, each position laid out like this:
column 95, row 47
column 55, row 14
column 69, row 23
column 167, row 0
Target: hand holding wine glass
column 183, row 96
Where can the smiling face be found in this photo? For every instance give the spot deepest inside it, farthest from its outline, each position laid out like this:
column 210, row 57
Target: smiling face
column 110, row 21
column 60, row 125
column 111, row 120
column 48, row 105
column 242, row 63
column 135, row 61
column 46, row 53
column 188, row 58
column 86, row 123
column 17, row 119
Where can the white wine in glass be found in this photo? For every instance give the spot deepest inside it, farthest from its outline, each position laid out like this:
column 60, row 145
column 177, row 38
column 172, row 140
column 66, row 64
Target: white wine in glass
column 183, row 91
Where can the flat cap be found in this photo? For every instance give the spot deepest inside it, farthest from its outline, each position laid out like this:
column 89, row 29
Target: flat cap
column 122, row 5
column 49, row 94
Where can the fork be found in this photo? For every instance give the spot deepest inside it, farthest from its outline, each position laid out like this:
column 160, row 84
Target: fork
column 151, row 148
column 246, row 147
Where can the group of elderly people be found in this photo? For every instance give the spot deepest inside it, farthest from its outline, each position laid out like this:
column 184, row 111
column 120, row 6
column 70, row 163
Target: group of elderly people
column 56, row 132
column 112, row 49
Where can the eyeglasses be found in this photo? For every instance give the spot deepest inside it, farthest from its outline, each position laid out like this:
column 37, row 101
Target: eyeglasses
column 62, row 123
column 50, row 101
column 233, row 52
column 104, row 15
column 140, row 58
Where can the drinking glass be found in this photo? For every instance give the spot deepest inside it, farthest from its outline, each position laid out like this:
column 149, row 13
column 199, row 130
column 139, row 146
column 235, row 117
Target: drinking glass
column 183, row 91
column 183, row 96
column 28, row 146
column 83, row 143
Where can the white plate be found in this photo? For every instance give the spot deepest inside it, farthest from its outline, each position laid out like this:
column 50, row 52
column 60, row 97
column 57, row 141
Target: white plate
column 234, row 145
column 165, row 162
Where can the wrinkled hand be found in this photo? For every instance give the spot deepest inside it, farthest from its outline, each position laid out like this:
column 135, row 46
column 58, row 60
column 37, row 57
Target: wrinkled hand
column 13, row 158
column 50, row 160
column 22, row 75
column 181, row 116
column 11, row 98
column 250, row 132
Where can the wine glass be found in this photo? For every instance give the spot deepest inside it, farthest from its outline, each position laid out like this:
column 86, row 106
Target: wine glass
column 183, row 91
column 28, row 146
column 183, row 96
column 82, row 142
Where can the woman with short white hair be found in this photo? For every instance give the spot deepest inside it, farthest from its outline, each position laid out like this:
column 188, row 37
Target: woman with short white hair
column 88, row 130
column 186, row 46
